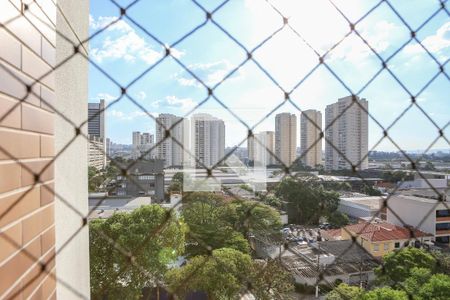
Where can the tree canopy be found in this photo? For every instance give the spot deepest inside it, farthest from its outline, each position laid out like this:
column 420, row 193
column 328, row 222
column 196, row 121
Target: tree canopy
column 307, row 199
column 397, row 266
column 338, row 219
column 220, row 275
column 410, row 273
column 270, row 280
column 344, row 292
column 131, row 251
column 214, row 222
column 384, row 293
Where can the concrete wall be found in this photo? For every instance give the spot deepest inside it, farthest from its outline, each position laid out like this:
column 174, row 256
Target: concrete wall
column 422, row 184
column 71, row 167
column 355, row 210
column 414, row 213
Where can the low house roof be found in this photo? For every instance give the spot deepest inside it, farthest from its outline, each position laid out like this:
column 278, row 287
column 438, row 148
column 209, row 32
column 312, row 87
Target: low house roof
column 380, row 231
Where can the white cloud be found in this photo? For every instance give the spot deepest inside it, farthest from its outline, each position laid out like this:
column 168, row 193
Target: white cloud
column 121, row 42
column 209, row 73
column 437, row 43
column 184, row 104
column 105, row 96
column 120, row 115
column 175, row 52
column 141, row 95
column 380, row 36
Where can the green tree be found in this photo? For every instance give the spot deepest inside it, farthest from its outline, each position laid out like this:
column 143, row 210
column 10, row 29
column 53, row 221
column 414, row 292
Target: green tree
column 438, row 288
column 177, row 182
column 221, row 275
column 252, row 216
column 306, row 198
column 345, row 292
column 206, row 216
column 396, row 176
column 271, row 200
column 417, row 278
column 385, row 293
column 429, row 166
column 150, row 234
column 398, row 265
column 95, row 179
column 443, row 262
column 370, row 190
column 338, row 219
column 270, row 280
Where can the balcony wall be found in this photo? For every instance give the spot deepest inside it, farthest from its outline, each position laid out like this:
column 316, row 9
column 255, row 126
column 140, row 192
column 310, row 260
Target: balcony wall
column 72, row 261
column 27, row 206
column 36, row 259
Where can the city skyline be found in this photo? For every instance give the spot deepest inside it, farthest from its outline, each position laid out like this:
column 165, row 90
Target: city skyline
column 249, row 93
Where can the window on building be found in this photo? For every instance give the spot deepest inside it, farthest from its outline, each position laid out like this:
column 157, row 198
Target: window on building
column 442, row 226
column 376, row 247
column 386, row 246
column 443, row 239
column 146, row 177
column 397, row 245
column 443, row 213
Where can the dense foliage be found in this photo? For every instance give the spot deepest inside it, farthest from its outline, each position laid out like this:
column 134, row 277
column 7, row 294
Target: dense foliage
column 397, row 266
column 407, row 274
column 307, row 200
column 131, row 251
column 215, row 223
column 270, row 280
column 220, row 275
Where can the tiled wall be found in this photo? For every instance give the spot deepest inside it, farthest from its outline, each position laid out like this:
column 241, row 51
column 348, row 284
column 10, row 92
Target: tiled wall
column 27, row 230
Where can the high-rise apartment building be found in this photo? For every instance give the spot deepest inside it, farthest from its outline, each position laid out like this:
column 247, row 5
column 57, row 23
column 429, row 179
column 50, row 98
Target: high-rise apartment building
column 144, row 138
column 96, row 133
column 136, row 140
column 310, row 140
column 96, row 115
column 261, row 148
column 143, row 145
column 171, row 148
column 285, row 138
column 208, row 139
column 348, row 134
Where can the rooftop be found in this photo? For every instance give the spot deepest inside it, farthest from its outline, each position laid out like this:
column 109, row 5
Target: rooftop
column 349, row 258
column 382, row 231
column 373, row 202
column 429, row 195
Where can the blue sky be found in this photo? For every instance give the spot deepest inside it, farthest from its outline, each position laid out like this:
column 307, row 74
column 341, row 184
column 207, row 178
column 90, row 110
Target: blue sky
column 124, row 51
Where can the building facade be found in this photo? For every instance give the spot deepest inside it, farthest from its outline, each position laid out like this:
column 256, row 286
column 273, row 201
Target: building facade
column 143, row 145
column 145, row 178
column 171, row 148
column 379, row 238
column 97, row 156
column 96, row 133
column 261, row 148
column 96, row 119
column 426, row 213
column 285, row 138
column 208, row 139
column 310, row 138
column 346, row 128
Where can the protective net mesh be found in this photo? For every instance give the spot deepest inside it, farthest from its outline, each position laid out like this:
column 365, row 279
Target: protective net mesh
column 313, row 270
